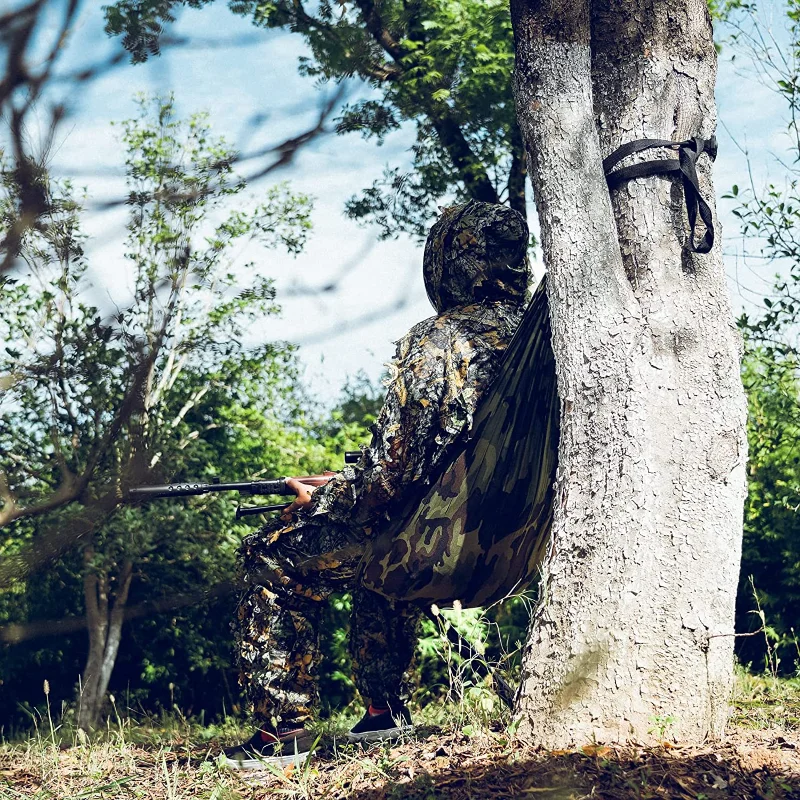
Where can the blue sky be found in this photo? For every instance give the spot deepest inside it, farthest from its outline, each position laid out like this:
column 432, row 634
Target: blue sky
column 383, row 279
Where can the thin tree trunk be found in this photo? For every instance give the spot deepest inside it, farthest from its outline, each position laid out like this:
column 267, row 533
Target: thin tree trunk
column 116, row 618
column 96, row 601
column 633, row 635
column 517, row 174
column 104, row 625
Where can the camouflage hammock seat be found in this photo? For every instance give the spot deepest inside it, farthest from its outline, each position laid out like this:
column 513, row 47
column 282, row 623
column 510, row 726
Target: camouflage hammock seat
column 481, row 529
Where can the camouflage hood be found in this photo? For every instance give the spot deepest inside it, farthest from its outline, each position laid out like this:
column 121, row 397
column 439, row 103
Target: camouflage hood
column 476, row 251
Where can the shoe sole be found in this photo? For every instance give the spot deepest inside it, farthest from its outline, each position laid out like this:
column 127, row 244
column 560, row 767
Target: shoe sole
column 380, row 736
column 254, row 764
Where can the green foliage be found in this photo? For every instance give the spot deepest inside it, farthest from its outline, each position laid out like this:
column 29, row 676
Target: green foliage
column 142, row 22
column 722, row 10
column 164, row 387
column 768, row 220
column 349, row 421
column 770, row 217
column 336, row 687
column 771, row 548
column 443, row 65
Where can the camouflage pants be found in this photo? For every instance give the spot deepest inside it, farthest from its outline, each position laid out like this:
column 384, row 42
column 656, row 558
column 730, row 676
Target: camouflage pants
column 290, row 572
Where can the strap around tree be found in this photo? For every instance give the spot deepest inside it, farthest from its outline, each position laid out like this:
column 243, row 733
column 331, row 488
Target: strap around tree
column 688, row 153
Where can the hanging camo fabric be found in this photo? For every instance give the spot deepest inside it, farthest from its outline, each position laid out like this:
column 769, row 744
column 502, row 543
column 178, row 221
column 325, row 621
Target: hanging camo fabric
column 480, row 530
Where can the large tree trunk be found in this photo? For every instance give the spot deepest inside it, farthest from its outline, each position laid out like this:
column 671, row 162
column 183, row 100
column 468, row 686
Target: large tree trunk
column 633, row 636
column 104, row 618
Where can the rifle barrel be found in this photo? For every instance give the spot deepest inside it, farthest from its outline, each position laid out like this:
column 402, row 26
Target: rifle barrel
column 273, row 486
column 190, row 489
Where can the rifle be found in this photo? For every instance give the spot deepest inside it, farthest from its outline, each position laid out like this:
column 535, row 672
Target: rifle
column 268, row 486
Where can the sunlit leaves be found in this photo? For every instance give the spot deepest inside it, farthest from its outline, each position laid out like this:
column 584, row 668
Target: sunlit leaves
column 443, row 65
column 771, row 549
column 183, row 184
column 723, row 9
column 212, row 400
column 769, row 216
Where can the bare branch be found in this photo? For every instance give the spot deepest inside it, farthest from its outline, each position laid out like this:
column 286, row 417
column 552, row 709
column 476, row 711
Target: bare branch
column 379, row 31
column 284, row 154
column 56, row 540
column 23, row 632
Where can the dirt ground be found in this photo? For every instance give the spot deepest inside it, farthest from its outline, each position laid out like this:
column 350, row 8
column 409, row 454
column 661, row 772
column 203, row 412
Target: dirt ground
column 759, row 760
column 750, row 764
column 756, row 765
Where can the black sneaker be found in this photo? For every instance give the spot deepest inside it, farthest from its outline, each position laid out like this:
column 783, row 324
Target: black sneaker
column 381, row 724
column 290, row 746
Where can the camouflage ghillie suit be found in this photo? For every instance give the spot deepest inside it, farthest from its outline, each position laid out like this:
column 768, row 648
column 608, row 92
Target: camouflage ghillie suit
column 476, row 275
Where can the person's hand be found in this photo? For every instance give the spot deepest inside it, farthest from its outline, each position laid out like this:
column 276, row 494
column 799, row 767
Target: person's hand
column 303, row 500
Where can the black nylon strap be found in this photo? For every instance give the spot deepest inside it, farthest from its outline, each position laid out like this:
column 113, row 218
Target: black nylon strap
column 685, row 165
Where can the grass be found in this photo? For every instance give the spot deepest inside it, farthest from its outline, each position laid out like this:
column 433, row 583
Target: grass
column 461, row 750
column 763, row 702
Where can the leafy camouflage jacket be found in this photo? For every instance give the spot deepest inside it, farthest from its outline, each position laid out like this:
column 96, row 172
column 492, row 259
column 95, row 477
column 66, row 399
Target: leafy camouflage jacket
column 476, row 275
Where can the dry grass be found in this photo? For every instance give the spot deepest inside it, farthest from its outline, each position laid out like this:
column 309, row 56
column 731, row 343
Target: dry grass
column 458, row 754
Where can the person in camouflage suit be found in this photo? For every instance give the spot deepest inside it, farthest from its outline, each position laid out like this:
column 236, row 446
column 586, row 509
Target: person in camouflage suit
column 476, row 274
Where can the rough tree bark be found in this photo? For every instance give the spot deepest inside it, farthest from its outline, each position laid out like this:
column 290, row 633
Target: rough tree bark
column 104, row 618
column 632, row 638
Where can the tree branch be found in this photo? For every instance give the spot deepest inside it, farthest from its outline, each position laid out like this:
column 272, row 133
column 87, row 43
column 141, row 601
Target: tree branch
column 71, row 490
column 472, row 172
column 115, row 621
column 23, row 632
column 56, row 540
column 7, row 496
column 379, row 31
column 90, row 591
column 379, row 72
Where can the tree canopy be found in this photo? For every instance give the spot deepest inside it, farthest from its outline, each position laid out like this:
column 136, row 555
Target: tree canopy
column 165, row 382
column 444, row 66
